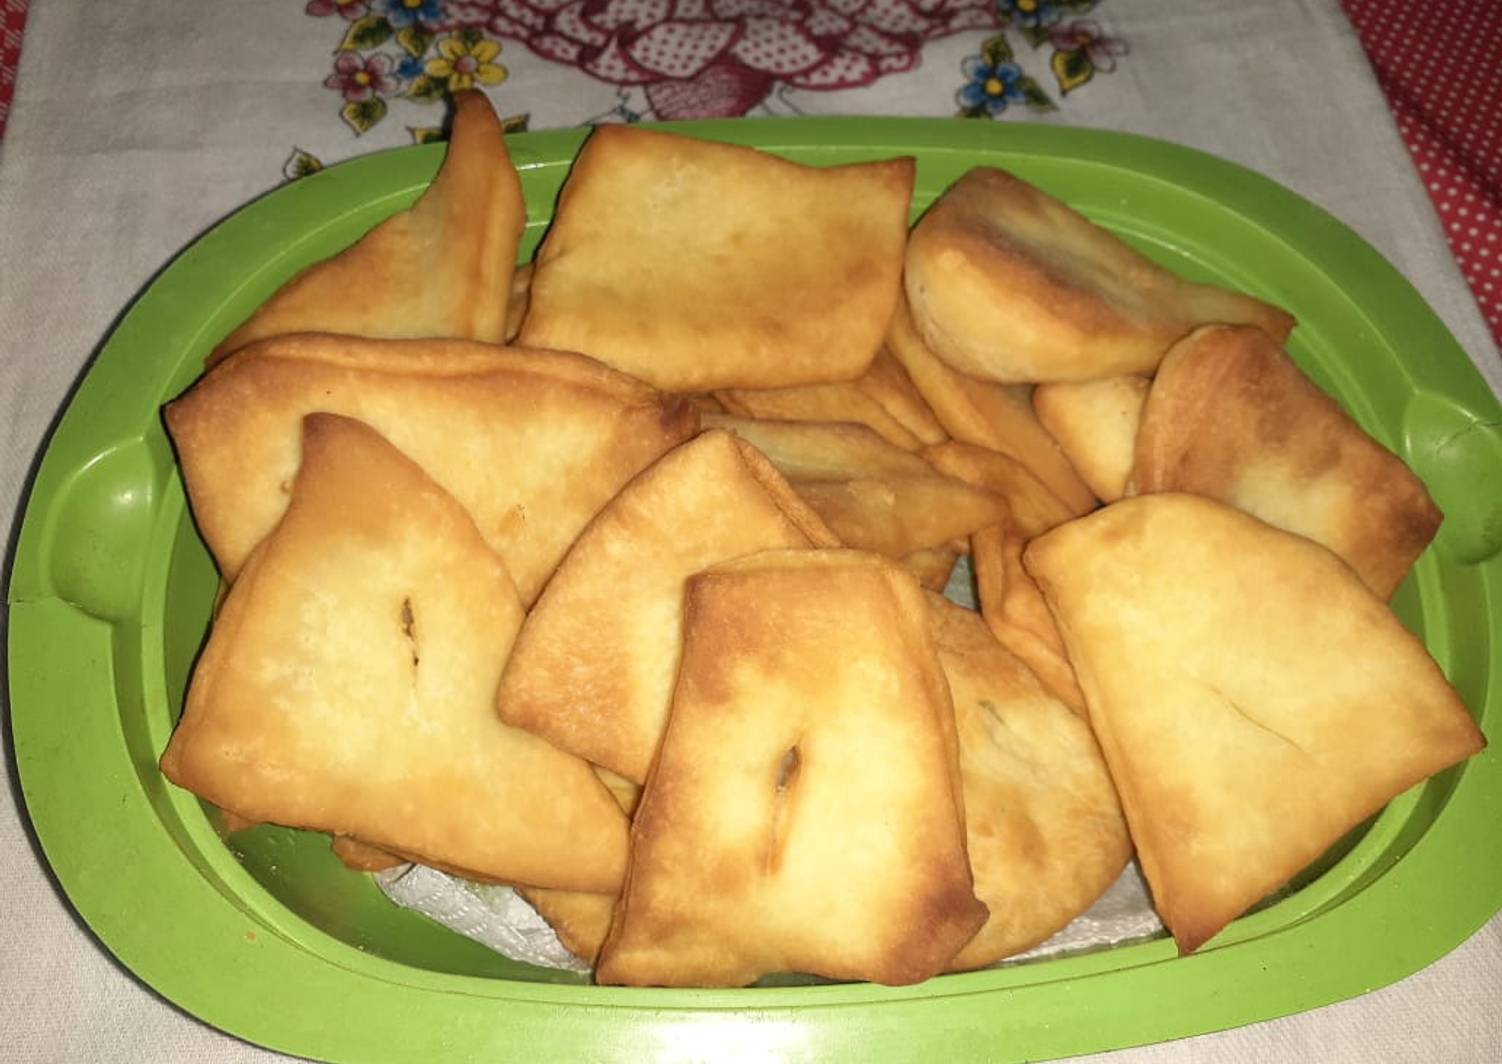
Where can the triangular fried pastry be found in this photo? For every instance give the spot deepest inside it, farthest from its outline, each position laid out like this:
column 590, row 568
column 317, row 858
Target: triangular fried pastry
column 348, row 685
column 593, row 668
column 987, row 414
column 805, row 810
column 531, row 443
column 1253, row 699
column 442, row 268
column 871, row 493
column 1008, row 284
column 1096, row 425
column 883, row 399
column 1232, row 417
column 1044, row 828
column 1009, row 600
column 695, row 265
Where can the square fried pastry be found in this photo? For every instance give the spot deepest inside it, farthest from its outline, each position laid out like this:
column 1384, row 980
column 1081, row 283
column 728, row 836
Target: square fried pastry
column 531, row 443
column 1010, row 601
column 1096, row 425
column 349, row 681
column 987, row 414
column 694, row 265
column 1253, row 699
column 1231, row 416
column 441, row 268
column 872, row 494
column 1044, row 828
column 1008, row 284
column 593, row 668
column 805, row 810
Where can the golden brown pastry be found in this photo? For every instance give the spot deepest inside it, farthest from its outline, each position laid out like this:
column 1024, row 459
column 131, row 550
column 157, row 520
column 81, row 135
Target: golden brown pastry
column 1044, row 828
column 1230, row 416
column 995, row 416
column 1253, row 699
column 1008, row 284
column 1096, row 425
column 348, row 685
column 593, row 668
column 531, row 443
column 694, row 265
column 805, row 810
column 442, row 268
column 363, row 857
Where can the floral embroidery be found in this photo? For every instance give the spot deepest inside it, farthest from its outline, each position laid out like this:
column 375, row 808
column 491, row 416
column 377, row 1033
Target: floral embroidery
column 990, row 88
column 402, row 13
column 1080, row 49
column 465, row 58
column 348, row 9
column 361, row 77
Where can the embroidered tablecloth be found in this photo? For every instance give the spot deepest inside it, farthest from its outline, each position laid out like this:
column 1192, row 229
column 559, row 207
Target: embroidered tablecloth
column 136, row 126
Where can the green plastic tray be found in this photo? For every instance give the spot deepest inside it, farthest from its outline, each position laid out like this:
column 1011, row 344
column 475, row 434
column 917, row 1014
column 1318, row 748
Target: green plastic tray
column 268, row 937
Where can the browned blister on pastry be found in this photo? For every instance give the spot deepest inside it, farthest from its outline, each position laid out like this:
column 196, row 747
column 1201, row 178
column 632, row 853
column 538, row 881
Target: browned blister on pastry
column 695, row 265
column 1231, row 416
column 987, row 414
column 1044, row 828
column 531, row 443
column 593, row 668
column 1008, row 284
column 348, row 685
column 1253, row 699
column 439, row 269
column 805, row 811
column 1096, row 425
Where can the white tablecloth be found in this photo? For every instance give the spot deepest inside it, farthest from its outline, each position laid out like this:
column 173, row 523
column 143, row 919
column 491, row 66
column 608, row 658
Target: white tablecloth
column 136, row 126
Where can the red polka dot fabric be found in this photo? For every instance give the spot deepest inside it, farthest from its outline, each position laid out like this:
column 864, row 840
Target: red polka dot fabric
column 1440, row 64
column 12, row 22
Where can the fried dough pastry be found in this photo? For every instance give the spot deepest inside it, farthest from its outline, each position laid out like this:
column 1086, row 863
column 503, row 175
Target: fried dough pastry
column 363, row 857
column 805, row 810
column 442, row 268
column 593, row 668
column 348, row 685
column 1010, row 601
column 694, row 265
column 872, row 494
column 1232, row 417
column 1044, row 828
column 931, row 566
column 580, row 920
column 516, row 302
column 1008, row 284
column 531, row 443
column 883, row 399
column 1096, row 425
column 1253, row 699
column 987, row 414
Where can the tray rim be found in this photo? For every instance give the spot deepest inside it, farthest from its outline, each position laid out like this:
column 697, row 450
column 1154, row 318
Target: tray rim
column 1482, row 777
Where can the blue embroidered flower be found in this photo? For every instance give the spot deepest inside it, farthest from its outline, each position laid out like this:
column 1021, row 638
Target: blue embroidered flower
column 1029, row 13
column 989, row 88
column 409, row 67
column 403, row 13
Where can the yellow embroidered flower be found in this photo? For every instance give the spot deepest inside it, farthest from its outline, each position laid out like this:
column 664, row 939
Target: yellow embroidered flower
column 464, row 59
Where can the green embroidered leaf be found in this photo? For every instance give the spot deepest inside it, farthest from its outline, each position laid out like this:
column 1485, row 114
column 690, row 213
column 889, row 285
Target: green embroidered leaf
column 1034, row 35
column 1072, row 69
column 1075, row 7
column 470, row 36
column 300, row 164
column 970, row 112
column 1034, row 96
column 425, row 134
column 996, row 51
column 366, row 33
column 427, row 89
column 414, row 40
column 516, row 123
column 361, row 115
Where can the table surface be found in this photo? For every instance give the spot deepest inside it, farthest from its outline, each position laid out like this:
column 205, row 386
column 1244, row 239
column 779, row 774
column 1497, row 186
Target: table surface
column 135, row 127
